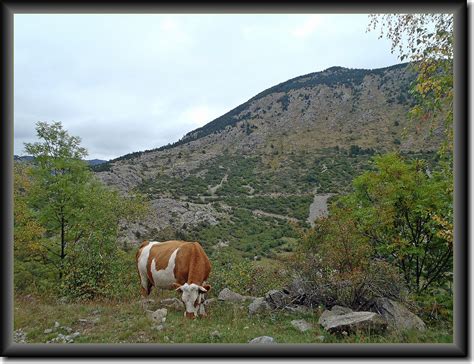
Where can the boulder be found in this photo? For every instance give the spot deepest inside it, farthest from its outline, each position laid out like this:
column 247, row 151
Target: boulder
column 227, row 295
column 339, row 322
column 298, row 290
column 277, row 299
column 263, row 340
column 173, row 303
column 158, row 317
column 259, row 305
column 301, row 325
column 399, row 318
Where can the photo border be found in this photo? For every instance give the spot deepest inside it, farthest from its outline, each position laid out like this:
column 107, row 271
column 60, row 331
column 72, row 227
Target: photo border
column 461, row 333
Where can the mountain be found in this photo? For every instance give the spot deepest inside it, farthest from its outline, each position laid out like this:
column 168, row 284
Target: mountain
column 30, row 158
column 95, row 162
column 245, row 177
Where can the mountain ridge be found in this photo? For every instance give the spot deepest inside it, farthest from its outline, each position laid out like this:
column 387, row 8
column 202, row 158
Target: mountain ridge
column 246, row 176
column 201, row 131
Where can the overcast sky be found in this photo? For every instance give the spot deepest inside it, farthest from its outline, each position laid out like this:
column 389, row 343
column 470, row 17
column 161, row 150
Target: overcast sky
column 125, row 83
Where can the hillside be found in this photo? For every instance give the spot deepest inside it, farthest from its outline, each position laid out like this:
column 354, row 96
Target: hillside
column 246, row 177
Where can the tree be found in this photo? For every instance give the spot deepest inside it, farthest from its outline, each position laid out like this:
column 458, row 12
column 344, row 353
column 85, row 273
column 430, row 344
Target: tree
column 396, row 206
column 427, row 40
column 59, row 186
column 81, row 216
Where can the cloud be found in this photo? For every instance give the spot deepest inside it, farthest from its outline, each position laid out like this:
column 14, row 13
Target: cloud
column 200, row 115
column 308, row 27
column 129, row 82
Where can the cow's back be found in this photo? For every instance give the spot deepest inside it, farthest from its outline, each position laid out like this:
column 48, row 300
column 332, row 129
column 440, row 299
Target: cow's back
column 190, row 262
column 193, row 265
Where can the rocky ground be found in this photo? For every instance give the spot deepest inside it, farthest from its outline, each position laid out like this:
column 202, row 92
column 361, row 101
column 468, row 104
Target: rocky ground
column 276, row 317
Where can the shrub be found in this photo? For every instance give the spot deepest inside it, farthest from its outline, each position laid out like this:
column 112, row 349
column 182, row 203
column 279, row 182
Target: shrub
column 242, row 275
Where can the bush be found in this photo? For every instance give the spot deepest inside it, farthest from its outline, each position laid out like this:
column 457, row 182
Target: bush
column 335, row 262
column 242, row 275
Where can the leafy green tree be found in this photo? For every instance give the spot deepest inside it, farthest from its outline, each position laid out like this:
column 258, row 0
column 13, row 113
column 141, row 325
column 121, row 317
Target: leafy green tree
column 59, row 187
column 427, row 40
column 397, row 206
column 80, row 215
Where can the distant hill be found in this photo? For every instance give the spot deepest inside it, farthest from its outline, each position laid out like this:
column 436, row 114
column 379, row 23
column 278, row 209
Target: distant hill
column 29, row 158
column 244, row 177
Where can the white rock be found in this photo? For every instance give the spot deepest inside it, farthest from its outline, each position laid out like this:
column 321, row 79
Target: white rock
column 301, row 325
column 263, row 340
column 259, row 305
column 227, row 295
column 158, row 317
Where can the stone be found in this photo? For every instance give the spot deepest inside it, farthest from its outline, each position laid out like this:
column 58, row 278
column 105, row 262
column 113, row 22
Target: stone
column 210, row 301
column 67, row 329
column 301, row 325
column 399, row 318
column 227, row 295
column 263, row 340
column 173, row 303
column 48, row 331
column 277, row 299
column 327, row 315
column 259, row 305
column 350, row 322
column 320, row 338
column 56, row 324
column 158, row 317
column 216, row 334
column 19, row 336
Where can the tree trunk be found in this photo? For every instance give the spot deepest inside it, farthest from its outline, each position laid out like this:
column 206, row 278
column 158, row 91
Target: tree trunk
column 63, row 245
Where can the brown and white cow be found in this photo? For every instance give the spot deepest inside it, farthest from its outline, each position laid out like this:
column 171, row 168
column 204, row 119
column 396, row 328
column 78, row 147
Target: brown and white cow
column 174, row 264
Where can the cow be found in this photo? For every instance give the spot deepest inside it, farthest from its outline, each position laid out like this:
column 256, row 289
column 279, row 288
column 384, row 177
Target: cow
column 175, row 264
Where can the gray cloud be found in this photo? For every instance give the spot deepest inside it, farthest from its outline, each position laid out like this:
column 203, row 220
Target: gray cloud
column 125, row 83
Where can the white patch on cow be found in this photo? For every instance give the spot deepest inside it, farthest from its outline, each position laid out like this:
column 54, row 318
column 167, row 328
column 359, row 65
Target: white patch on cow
column 164, row 278
column 190, row 295
column 142, row 260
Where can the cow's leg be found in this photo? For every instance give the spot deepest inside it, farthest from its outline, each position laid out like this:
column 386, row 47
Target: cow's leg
column 145, row 292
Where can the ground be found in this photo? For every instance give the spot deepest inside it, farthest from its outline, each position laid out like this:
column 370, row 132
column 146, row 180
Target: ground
column 126, row 322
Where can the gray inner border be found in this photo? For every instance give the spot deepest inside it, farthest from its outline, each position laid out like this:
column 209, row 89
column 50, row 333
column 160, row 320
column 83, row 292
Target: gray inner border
column 461, row 233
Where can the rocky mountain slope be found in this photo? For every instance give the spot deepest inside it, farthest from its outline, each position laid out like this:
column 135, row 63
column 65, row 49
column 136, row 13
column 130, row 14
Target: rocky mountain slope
column 243, row 178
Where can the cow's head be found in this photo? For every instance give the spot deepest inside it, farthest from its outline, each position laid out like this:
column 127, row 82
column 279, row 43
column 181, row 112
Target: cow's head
column 192, row 297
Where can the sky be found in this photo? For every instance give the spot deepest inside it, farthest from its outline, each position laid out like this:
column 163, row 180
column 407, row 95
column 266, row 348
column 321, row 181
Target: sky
column 125, row 83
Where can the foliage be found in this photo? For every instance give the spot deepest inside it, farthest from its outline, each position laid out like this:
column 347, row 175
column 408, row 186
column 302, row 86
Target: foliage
column 79, row 216
column 93, row 258
column 59, row 186
column 335, row 260
column 428, row 41
column 395, row 206
column 242, row 275
column 28, row 232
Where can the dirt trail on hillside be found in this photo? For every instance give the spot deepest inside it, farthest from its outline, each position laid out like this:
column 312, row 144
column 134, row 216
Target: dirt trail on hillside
column 319, row 207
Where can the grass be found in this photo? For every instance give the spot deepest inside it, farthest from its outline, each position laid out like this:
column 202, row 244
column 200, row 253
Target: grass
column 126, row 322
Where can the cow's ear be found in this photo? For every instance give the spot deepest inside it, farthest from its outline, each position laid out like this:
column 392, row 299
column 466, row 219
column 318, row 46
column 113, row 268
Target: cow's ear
column 177, row 286
column 204, row 288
